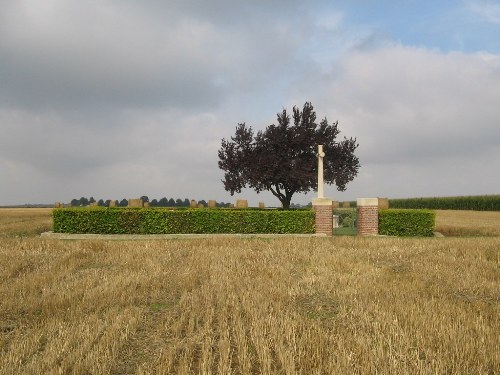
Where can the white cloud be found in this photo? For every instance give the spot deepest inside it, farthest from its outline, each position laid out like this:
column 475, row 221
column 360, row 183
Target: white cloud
column 418, row 115
column 487, row 10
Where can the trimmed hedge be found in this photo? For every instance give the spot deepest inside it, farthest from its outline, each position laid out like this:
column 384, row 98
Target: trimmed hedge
column 100, row 220
column 477, row 203
column 416, row 223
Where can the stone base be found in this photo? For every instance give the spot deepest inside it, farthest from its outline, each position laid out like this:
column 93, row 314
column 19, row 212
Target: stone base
column 241, row 203
column 322, row 202
column 135, row 203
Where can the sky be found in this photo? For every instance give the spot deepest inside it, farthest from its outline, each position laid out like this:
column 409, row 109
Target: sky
column 122, row 98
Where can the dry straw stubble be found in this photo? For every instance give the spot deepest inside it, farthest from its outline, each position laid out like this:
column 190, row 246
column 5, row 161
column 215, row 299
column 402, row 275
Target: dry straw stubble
column 291, row 306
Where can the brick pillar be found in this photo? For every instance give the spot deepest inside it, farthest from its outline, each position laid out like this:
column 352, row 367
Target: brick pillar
column 324, row 215
column 367, row 216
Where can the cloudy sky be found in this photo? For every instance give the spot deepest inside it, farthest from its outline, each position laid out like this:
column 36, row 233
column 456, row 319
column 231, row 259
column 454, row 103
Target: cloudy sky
column 121, row 98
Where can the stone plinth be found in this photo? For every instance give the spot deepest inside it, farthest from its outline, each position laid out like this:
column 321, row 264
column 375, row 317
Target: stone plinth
column 135, row 203
column 324, row 215
column 383, row 203
column 367, row 216
column 241, row 203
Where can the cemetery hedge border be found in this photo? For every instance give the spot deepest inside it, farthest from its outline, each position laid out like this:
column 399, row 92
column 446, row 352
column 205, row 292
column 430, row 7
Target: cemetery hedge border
column 99, row 220
column 406, row 223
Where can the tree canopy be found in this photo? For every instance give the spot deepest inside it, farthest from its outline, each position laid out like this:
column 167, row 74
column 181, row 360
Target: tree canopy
column 283, row 158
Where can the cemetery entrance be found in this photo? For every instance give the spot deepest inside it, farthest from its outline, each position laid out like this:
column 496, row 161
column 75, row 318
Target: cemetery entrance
column 345, row 222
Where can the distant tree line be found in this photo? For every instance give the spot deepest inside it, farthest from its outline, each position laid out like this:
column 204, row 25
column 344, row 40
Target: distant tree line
column 163, row 202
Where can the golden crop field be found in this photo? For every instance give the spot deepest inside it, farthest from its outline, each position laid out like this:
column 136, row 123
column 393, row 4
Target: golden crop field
column 343, row 305
column 22, row 222
column 468, row 223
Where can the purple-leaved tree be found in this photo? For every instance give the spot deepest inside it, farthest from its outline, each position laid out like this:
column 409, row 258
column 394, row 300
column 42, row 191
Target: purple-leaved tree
column 283, row 158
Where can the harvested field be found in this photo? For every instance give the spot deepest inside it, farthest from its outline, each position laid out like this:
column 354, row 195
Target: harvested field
column 468, row 223
column 249, row 306
column 24, row 222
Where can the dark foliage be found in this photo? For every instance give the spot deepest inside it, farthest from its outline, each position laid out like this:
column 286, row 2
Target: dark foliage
column 283, row 158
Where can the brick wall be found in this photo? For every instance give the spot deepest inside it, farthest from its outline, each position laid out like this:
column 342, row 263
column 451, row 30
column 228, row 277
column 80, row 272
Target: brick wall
column 324, row 215
column 367, row 216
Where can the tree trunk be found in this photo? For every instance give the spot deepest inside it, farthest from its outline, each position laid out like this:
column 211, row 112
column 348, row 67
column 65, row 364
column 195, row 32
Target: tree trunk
column 285, row 203
column 285, row 199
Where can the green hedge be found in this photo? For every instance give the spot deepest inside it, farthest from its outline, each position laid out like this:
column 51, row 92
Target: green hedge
column 393, row 222
column 477, row 203
column 167, row 221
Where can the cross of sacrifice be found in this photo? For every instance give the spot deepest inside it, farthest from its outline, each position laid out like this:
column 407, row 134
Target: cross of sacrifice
column 321, row 155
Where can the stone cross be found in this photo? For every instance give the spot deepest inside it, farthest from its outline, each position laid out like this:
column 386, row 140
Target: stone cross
column 321, row 155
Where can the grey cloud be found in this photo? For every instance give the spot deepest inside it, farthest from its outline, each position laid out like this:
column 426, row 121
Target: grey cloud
column 81, row 60
column 114, row 55
column 55, row 146
column 123, row 98
column 163, row 139
column 91, row 90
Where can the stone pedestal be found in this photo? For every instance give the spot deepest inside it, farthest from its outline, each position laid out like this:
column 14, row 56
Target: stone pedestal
column 324, row 215
column 367, row 216
column 241, row 203
column 383, row 203
column 135, row 203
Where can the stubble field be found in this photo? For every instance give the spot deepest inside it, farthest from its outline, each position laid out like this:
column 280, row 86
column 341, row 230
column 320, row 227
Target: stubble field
column 246, row 306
